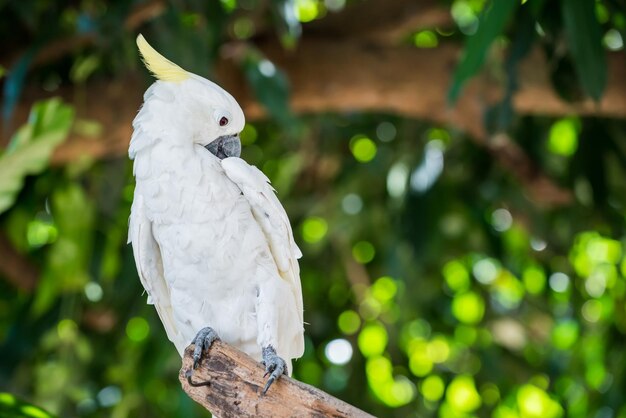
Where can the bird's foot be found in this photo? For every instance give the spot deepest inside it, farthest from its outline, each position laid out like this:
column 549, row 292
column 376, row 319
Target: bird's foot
column 203, row 341
column 274, row 366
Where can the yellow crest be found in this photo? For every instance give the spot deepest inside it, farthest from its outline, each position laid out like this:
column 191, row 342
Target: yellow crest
column 157, row 64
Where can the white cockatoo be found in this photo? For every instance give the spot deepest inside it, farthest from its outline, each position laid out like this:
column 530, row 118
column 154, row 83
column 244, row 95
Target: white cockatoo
column 213, row 246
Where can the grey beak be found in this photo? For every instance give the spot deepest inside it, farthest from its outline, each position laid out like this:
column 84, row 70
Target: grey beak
column 225, row 146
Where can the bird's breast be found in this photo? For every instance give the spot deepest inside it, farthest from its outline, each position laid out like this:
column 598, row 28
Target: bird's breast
column 204, row 228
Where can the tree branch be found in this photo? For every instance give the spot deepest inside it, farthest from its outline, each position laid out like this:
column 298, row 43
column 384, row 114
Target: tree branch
column 347, row 76
column 61, row 47
column 235, row 385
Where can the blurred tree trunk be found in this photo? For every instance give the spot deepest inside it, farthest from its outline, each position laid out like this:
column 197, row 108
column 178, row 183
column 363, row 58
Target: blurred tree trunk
column 354, row 61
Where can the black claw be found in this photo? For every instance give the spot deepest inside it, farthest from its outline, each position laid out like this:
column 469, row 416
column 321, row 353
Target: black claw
column 268, row 384
column 188, row 375
column 274, row 367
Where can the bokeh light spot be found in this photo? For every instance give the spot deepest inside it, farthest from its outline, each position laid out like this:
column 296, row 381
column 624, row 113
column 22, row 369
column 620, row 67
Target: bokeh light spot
column 534, row 279
column 416, row 329
column 428, row 171
column 438, row 350
column 420, row 363
column 501, row 219
column 425, row 39
column 508, row 290
column 462, row 394
column 592, row 310
column 464, row 16
column 402, row 391
column 397, row 179
column 314, row 229
column 392, row 392
column 352, row 204
column 384, row 289
column 596, row 375
column 565, row 334
column 490, row 393
column 613, row 40
column 468, row 307
column 267, row 68
column 363, row 148
column 456, row 275
column 109, row 396
column 538, row 244
column 67, row 330
column 559, row 282
column 349, row 322
column 386, row 131
column 432, row 388
column 465, row 334
column 137, row 329
column 372, row 339
column 363, row 252
column 378, row 369
column 93, row 291
column 563, row 138
column 486, row 270
column 243, row 28
column 306, row 10
column 533, row 402
column 338, row 351
column 369, row 308
column 596, row 284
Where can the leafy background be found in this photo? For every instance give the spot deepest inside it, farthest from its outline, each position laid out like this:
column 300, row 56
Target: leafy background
column 436, row 283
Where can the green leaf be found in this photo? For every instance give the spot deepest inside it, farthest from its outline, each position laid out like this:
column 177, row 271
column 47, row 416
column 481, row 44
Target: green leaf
column 492, row 21
column 31, row 147
column 84, row 67
column 584, row 38
column 13, row 407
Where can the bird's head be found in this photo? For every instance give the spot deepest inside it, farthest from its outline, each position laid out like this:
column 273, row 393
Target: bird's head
column 206, row 113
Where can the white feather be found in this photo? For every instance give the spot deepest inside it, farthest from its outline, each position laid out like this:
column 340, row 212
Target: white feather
column 273, row 220
column 212, row 243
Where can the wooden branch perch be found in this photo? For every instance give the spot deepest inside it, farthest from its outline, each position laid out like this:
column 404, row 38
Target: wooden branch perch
column 235, row 385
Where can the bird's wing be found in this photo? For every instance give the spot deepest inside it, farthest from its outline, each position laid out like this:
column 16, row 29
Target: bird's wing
column 150, row 266
column 271, row 217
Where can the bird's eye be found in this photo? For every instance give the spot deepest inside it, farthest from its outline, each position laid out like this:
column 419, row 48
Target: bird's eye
column 221, row 117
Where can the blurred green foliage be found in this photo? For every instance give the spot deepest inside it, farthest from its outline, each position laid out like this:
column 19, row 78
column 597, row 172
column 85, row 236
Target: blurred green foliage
column 11, row 407
column 31, row 147
column 433, row 285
